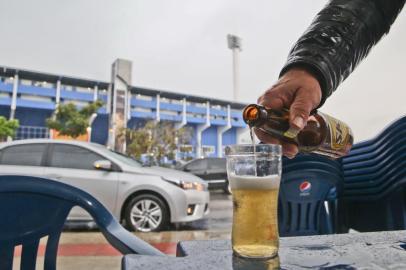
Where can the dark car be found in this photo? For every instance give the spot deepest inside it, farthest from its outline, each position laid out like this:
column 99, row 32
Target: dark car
column 212, row 170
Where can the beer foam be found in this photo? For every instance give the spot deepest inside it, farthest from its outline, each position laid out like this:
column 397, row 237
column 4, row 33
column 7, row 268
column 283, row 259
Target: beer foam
column 254, row 182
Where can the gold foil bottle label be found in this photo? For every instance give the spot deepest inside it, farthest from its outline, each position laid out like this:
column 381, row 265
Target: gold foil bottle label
column 339, row 133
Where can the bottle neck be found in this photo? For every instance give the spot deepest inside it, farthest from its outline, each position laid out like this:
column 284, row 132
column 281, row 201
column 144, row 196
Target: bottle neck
column 254, row 115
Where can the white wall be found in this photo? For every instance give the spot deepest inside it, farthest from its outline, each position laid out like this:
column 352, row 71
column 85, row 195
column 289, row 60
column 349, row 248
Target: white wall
column 181, row 46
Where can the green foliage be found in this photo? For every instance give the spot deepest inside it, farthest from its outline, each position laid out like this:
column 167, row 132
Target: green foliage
column 157, row 140
column 71, row 121
column 7, row 128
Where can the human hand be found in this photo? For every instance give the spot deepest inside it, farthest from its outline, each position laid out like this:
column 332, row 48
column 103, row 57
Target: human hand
column 297, row 90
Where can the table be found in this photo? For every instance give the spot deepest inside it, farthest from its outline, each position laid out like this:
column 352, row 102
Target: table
column 379, row 250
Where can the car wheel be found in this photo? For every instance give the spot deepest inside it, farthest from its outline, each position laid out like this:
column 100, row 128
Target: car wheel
column 146, row 213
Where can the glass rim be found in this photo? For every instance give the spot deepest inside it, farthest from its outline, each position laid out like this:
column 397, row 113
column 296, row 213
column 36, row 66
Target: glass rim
column 248, row 149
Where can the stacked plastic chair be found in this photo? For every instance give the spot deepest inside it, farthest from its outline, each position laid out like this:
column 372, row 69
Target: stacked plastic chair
column 374, row 181
column 33, row 208
column 308, row 195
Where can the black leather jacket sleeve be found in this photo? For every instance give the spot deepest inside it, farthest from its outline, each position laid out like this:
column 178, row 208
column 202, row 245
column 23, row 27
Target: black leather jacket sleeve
column 339, row 37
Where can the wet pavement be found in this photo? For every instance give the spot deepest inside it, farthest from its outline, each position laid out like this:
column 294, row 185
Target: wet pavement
column 84, row 249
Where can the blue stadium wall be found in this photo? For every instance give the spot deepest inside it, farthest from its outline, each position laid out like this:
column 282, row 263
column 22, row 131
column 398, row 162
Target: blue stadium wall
column 36, row 98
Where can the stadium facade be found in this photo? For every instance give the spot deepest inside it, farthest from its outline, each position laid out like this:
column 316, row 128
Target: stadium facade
column 31, row 97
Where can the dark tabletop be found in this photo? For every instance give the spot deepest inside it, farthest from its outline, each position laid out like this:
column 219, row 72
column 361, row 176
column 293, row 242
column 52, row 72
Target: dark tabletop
column 381, row 250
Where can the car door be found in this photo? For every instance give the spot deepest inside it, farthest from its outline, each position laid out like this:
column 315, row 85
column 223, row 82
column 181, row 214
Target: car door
column 217, row 170
column 73, row 165
column 198, row 167
column 25, row 159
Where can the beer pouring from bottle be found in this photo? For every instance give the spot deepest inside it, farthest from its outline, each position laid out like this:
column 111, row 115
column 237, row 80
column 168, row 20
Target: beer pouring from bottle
column 323, row 134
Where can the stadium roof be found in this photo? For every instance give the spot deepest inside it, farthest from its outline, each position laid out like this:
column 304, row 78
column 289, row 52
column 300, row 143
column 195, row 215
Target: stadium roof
column 52, row 78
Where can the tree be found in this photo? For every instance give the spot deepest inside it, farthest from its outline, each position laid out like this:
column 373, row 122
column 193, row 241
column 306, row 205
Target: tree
column 7, row 128
column 157, row 140
column 71, row 121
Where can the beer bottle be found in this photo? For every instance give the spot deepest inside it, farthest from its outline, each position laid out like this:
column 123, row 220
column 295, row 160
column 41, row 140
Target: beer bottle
column 322, row 134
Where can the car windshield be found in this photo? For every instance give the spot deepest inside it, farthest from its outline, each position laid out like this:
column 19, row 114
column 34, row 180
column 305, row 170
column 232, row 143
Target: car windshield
column 119, row 156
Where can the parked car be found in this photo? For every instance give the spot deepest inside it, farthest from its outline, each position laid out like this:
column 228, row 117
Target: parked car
column 212, row 170
column 143, row 198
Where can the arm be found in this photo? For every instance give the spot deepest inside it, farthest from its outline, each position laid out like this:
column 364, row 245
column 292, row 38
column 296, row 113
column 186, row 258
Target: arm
column 341, row 36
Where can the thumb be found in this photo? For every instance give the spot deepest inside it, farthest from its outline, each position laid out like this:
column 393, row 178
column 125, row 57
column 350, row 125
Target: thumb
column 300, row 109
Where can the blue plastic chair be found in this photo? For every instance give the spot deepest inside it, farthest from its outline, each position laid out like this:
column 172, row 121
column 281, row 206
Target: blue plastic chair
column 380, row 148
column 306, row 213
column 378, row 173
column 392, row 147
column 32, row 208
column 306, row 165
column 312, row 212
column 392, row 180
column 368, row 213
column 309, row 162
column 370, row 145
column 375, row 181
column 311, row 158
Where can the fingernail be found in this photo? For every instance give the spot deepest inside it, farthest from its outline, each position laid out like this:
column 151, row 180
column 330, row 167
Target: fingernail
column 298, row 122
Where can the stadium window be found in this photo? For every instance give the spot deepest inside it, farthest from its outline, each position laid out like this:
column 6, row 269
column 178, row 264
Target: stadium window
column 67, row 87
column 9, row 80
column 25, row 82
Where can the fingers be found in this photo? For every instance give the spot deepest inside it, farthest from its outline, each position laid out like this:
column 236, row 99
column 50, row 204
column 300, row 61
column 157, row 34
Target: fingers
column 271, row 102
column 304, row 102
column 278, row 96
column 300, row 109
column 300, row 92
column 290, row 150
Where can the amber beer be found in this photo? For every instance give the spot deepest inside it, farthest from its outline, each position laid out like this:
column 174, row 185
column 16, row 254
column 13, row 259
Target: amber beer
column 254, row 173
column 323, row 134
column 255, row 215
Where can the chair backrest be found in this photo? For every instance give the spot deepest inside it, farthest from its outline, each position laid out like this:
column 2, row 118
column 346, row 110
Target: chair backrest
column 376, row 188
column 312, row 165
column 374, row 168
column 32, row 208
column 391, row 148
column 303, row 202
column 388, row 131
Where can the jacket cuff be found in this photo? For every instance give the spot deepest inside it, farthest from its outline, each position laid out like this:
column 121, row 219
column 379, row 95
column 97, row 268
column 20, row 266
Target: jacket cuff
column 316, row 71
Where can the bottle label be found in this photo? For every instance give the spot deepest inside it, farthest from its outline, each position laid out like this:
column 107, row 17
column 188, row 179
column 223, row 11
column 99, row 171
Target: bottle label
column 291, row 133
column 339, row 133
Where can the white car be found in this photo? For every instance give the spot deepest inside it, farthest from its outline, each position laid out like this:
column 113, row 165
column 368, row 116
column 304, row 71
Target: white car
column 143, row 198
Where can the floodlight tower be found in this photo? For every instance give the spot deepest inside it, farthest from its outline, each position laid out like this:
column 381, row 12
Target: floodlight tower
column 234, row 44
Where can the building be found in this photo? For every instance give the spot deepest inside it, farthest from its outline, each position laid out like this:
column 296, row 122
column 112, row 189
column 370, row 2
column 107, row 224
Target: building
column 31, row 97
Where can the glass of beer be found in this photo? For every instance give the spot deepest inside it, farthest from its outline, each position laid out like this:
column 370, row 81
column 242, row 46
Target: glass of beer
column 254, row 173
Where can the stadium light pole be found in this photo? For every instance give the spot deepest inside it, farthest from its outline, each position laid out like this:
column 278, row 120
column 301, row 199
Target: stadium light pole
column 234, row 44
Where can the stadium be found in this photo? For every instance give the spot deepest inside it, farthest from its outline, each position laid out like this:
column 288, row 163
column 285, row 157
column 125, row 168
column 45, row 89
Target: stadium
column 31, row 97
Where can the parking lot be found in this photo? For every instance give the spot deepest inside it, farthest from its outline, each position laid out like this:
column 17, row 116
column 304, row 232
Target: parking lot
column 84, row 249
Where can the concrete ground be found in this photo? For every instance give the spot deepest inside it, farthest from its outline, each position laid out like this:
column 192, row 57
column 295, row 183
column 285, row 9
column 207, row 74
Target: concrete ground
column 89, row 249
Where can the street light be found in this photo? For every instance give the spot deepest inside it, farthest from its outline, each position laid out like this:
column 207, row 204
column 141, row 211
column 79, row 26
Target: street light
column 234, row 44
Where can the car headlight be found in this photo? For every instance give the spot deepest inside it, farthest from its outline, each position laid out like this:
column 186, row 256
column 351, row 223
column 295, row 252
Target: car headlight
column 192, row 185
column 188, row 185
